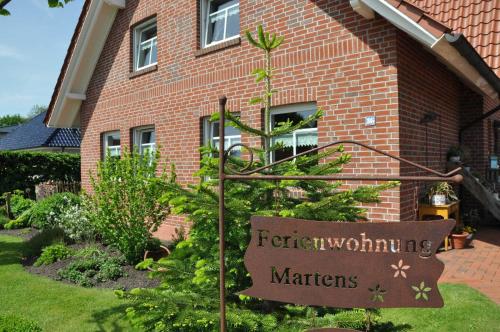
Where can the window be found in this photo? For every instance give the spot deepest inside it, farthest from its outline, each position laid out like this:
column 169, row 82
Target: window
column 211, row 136
column 145, row 45
column 301, row 139
column 220, row 21
column 145, row 140
column 111, row 143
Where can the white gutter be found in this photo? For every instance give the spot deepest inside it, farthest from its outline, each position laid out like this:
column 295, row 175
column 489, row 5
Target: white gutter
column 88, row 47
column 445, row 52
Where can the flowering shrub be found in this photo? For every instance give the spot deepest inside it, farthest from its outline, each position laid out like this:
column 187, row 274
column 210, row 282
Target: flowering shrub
column 74, row 222
column 44, row 214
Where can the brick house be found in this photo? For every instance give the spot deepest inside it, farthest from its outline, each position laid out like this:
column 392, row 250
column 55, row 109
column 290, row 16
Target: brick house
column 149, row 72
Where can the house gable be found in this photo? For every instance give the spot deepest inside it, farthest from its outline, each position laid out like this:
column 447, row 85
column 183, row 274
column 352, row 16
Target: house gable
column 85, row 48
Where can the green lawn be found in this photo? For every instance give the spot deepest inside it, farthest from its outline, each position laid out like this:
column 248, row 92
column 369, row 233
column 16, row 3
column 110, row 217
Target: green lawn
column 465, row 310
column 60, row 307
column 53, row 305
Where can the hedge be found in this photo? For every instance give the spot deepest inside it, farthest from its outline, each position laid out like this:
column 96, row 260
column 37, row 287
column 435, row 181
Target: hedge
column 23, row 170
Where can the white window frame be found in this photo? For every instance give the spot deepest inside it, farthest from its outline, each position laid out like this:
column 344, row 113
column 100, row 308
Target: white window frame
column 111, row 148
column 137, row 43
column 209, row 137
column 138, row 139
column 205, row 21
column 292, row 109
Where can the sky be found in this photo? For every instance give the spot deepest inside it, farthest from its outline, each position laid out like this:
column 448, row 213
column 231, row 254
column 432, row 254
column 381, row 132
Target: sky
column 33, row 43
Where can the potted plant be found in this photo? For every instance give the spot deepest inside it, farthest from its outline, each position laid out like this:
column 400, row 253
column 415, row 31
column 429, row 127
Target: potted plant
column 455, row 154
column 155, row 251
column 462, row 237
column 441, row 193
column 470, row 237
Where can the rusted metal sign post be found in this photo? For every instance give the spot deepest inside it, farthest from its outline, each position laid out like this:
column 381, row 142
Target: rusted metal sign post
column 326, row 263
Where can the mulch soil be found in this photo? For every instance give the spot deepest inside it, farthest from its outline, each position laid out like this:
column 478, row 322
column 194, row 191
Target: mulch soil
column 132, row 279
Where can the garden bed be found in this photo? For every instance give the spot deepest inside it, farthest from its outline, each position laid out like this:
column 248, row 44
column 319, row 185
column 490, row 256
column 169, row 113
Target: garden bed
column 132, row 278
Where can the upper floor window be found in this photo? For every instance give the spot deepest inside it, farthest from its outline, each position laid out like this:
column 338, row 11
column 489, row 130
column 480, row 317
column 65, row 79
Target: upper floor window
column 300, row 140
column 145, row 140
column 145, row 45
column 211, row 136
column 111, row 144
column 220, row 21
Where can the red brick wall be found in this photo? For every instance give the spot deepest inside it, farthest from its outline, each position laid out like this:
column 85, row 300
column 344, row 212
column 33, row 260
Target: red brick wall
column 425, row 85
column 331, row 56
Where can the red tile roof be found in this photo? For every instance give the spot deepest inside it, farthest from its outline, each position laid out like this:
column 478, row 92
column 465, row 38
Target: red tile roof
column 477, row 20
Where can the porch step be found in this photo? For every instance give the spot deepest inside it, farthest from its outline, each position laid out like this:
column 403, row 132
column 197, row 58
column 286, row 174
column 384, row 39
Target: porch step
column 482, row 194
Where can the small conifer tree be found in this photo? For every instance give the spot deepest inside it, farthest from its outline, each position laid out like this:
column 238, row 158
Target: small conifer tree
column 187, row 299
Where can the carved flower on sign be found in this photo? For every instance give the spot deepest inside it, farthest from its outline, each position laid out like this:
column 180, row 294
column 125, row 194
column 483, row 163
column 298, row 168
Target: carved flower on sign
column 400, row 269
column 422, row 291
column 377, row 293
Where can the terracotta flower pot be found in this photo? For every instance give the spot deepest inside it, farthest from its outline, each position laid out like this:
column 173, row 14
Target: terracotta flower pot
column 161, row 252
column 459, row 241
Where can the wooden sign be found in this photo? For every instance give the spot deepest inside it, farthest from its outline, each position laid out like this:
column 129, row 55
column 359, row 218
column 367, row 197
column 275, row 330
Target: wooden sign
column 346, row 265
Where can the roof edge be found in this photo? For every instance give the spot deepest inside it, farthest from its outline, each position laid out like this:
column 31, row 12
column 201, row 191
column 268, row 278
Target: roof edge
column 71, row 46
column 458, row 55
column 86, row 45
column 463, row 46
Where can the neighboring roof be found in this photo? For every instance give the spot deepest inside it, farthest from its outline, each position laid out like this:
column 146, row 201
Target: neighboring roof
column 8, row 129
column 34, row 134
column 477, row 20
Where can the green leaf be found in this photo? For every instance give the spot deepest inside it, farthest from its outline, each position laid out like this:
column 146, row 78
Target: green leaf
column 415, row 288
column 251, row 40
column 418, row 296
column 427, row 289
column 277, row 42
column 4, row 12
column 425, row 296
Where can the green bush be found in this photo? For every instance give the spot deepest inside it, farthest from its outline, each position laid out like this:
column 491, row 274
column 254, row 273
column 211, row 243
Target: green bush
column 19, row 204
column 14, row 323
column 23, row 170
column 3, row 221
column 92, row 266
column 53, row 253
column 124, row 206
column 15, row 224
column 41, row 240
column 44, row 214
column 75, row 223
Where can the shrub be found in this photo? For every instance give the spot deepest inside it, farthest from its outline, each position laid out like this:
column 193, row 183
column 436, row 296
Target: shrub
column 15, row 224
column 75, row 224
column 19, row 204
column 14, row 323
column 3, row 221
column 92, row 266
column 44, row 214
column 23, row 170
column 41, row 240
column 124, row 206
column 53, row 253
